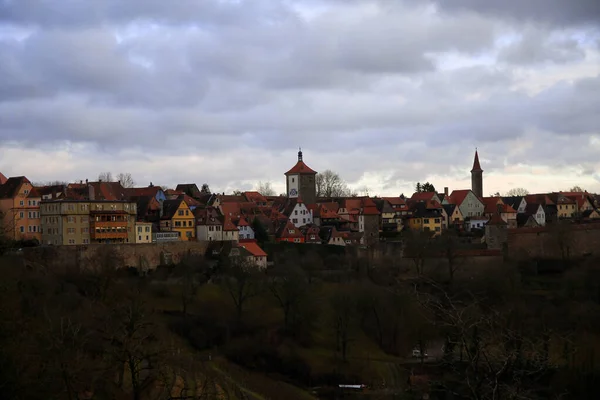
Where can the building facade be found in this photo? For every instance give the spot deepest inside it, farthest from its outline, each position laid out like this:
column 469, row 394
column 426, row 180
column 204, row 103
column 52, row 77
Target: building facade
column 77, row 222
column 301, row 182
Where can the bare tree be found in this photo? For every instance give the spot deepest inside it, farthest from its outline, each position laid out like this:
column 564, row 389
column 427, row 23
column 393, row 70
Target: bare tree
column 343, row 305
column 192, row 274
column 265, row 189
column 242, row 282
column 126, row 179
column 417, row 245
column 105, row 176
column 518, row 191
column 330, row 184
column 576, row 188
column 49, row 183
column 289, row 286
column 448, row 245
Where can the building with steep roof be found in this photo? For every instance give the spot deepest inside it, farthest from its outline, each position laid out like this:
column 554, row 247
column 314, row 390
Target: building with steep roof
column 477, row 177
column 301, row 181
column 19, row 209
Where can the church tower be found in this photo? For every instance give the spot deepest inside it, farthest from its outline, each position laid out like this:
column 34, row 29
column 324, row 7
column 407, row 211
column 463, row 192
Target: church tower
column 300, row 182
column 477, row 177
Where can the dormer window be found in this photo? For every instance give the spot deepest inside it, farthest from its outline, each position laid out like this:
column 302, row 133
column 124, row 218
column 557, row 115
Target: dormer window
column 292, row 231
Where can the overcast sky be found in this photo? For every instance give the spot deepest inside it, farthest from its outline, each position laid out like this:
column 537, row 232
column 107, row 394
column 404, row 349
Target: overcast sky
column 386, row 93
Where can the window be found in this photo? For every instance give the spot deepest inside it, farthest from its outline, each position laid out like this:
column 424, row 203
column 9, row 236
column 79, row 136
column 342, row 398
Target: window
column 139, row 229
column 85, row 219
column 147, row 229
column 28, row 202
column 296, row 240
column 426, row 221
column 180, row 212
column 21, row 202
column 177, row 223
column 190, row 223
column 295, row 220
column 71, row 231
column 22, row 229
column 292, row 231
column 21, row 214
column 187, row 212
column 29, row 228
column 70, row 220
column 147, row 237
column 295, row 212
column 312, row 237
column 140, row 238
column 437, row 220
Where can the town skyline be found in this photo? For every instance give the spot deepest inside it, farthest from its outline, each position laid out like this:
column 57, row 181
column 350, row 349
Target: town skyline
column 386, row 94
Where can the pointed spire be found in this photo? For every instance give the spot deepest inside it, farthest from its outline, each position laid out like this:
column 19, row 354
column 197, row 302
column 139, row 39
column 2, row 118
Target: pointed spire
column 476, row 165
column 300, row 154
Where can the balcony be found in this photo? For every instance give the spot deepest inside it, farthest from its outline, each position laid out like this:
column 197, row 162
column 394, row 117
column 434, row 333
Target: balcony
column 108, row 235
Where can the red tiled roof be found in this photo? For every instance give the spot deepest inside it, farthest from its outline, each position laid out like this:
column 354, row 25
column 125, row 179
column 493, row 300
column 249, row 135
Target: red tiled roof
column 228, row 225
column 242, row 222
column 458, row 196
column 255, row 197
column 476, row 165
column 143, row 191
column 491, row 204
column 300, row 168
column 3, row 179
column 253, row 248
column 371, row 210
column 190, row 201
column 423, row 195
column 10, row 188
column 496, row 219
column 396, row 202
column 34, row 192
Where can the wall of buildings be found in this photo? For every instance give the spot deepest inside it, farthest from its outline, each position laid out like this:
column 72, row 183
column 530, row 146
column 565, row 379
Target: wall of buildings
column 142, row 256
column 546, row 242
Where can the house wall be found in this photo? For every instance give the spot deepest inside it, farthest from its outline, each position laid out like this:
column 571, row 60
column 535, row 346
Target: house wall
column 293, row 182
column 540, row 216
column 184, row 222
column 301, row 215
column 231, row 235
column 370, row 225
column 246, row 232
column 204, row 232
column 143, row 232
column 495, row 236
column 308, row 188
column 522, row 206
column 566, row 210
column 471, row 206
column 433, row 225
column 21, row 215
column 68, row 222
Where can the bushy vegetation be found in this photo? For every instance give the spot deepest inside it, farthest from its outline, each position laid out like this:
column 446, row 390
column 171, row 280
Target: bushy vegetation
column 223, row 329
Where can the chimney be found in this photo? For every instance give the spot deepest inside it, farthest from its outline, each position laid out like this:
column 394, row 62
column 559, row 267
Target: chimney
column 446, row 191
column 86, row 181
column 151, row 185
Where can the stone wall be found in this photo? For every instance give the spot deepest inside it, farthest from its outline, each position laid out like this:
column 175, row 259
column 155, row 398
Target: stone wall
column 549, row 242
column 143, row 256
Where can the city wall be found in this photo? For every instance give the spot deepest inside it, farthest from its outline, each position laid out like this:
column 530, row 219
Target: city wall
column 550, row 242
column 141, row 256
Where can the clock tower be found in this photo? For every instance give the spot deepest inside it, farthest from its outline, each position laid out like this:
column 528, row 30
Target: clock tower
column 300, row 182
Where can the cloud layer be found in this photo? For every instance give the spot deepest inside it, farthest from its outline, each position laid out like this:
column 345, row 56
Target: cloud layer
column 386, row 93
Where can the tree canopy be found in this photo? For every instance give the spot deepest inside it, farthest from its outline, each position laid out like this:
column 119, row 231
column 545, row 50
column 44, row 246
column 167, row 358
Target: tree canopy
column 518, row 191
column 331, row 184
column 424, row 187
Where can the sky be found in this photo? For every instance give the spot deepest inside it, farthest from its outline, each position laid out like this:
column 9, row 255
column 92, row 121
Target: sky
column 386, row 93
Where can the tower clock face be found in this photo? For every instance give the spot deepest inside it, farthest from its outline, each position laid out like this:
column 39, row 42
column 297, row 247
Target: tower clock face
column 293, row 192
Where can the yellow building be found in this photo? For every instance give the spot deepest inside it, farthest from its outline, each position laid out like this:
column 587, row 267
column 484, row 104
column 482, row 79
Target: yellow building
column 426, row 217
column 143, row 232
column 177, row 217
column 77, row 222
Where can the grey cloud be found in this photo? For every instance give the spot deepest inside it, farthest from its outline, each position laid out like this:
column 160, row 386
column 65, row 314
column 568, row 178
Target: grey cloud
column 538, row 46
column 559, row 12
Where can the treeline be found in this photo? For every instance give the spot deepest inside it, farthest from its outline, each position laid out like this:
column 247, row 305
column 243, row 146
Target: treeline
column 502, row 331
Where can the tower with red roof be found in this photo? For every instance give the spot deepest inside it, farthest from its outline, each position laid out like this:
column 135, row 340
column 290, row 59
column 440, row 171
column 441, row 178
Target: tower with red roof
column 477, row 177
column 301, row 182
